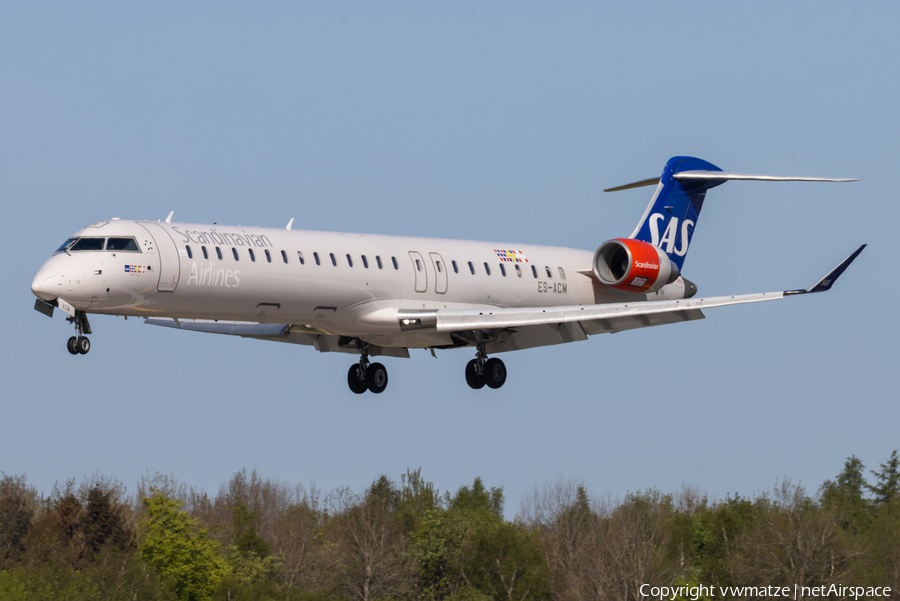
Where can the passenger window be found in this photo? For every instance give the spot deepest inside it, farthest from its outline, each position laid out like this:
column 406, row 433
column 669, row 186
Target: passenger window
column 418, row 265
column 471, row 268
column 234, row 252
column 502, row 270
column 123, row 244
column 268, row 256
column 219, row 253
column 252, row 256
column 534, row 271
column 349, row 260
column 300, row 257
column 455, row 268
column 333, row 260
column 378, row 260
column 518, row 270
column 205, row 254
column 87, row 244
column 562, row 273
column 487, row 269
column 549, row 273
column 365, row 262
column 188, row 249
column 284, row 257
column 439, row 268
column 316, row 257
column 394, row 261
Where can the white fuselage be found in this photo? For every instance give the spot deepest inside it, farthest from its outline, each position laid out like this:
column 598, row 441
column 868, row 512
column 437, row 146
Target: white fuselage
column 346, row 284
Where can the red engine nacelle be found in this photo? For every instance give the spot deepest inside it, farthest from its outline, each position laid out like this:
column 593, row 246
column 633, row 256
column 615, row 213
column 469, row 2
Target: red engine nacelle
column 633, row 266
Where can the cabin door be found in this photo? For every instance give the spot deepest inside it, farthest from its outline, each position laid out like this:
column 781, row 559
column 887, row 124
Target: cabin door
column 418, row 264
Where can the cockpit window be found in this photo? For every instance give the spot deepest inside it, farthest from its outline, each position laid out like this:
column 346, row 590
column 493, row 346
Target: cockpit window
column 124, row 244
column 87, row 244
column 65, row 245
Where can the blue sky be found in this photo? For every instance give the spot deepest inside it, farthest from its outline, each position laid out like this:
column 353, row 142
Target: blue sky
column 497, row 122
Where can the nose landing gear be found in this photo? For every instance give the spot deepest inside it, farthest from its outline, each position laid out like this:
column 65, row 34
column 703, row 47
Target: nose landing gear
column 364, row 376
column 482, row 371
column 80, row 344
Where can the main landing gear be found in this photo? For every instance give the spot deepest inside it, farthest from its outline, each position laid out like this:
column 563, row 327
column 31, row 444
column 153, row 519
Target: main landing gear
column 482, row 371
column 365, row 376
column 79, row 344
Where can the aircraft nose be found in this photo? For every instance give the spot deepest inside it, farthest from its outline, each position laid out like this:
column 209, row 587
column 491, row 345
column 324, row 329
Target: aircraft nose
column 44, row 284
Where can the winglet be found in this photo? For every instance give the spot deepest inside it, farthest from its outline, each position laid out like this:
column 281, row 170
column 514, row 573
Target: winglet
column 828, row 281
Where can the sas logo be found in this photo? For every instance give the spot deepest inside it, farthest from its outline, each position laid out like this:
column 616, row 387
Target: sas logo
column 511, row 256
column 135, row 269
column 669, row 236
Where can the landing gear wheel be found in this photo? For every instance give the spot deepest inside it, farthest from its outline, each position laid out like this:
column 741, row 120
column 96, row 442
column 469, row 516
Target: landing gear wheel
column 376, row 378
column 83, row 345
column 71, row 345
column 472, row 378
column 494, row 373
column 357, row 385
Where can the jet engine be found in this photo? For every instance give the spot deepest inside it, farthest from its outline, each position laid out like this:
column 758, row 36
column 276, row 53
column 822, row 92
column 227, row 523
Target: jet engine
column 633, row 266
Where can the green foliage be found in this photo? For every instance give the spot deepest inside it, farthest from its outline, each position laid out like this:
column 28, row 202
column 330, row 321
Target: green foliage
column 887, row 487
column 845, row 495
column 714, row 535
column 468, row 551
column 187, row 560
column 409, row 501
column 478, row 498
column 402, row 541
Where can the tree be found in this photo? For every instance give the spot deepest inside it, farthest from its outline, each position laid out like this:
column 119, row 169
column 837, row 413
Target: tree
column 791, row 538
column 373, row 562
column 630, row 546
column 187, row 560
column 16, row 512
column 845, row 495
column 102, row 521
column 887, row 487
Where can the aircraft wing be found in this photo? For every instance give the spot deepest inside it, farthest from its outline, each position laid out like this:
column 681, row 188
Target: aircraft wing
column 502, row 329
column 518, row 328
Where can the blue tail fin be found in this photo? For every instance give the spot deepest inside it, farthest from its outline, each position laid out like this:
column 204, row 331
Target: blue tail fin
column 671, row 216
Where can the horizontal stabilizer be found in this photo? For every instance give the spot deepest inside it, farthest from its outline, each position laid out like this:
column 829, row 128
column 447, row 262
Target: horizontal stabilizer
column 696, row 175
column 721, row 175
column 644, row 182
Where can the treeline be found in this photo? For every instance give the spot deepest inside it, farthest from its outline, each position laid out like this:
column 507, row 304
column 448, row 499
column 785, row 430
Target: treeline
column 261, row 539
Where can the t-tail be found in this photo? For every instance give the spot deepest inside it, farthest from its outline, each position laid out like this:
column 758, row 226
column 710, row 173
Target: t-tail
column 671, row 217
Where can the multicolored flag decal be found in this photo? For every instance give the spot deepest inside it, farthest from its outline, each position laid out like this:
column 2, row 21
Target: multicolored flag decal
column 511, row 256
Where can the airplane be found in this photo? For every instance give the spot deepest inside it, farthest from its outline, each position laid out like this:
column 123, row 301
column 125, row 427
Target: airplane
column 378, row 295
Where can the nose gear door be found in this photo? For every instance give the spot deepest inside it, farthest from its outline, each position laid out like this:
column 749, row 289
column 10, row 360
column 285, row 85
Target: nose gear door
column 169, row 265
